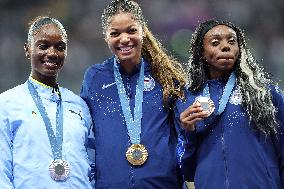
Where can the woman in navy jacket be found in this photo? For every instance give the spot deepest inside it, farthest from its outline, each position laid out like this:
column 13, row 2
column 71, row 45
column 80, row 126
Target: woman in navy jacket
column 128, row 95
column 233, row 114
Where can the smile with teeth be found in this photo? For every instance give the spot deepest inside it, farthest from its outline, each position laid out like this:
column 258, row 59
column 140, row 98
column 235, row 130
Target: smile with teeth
column 50, row 64
column 126, row 48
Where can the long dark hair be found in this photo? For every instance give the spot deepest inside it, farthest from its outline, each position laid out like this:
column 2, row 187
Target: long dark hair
column 252, row 80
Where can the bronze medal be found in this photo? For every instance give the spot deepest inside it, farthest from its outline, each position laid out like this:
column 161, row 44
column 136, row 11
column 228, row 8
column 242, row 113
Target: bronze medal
column 59, row 170
column 137, row 154
column 207, row 104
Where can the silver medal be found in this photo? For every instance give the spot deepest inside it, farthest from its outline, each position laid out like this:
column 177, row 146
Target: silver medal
column 59, row 170
column 206, row 103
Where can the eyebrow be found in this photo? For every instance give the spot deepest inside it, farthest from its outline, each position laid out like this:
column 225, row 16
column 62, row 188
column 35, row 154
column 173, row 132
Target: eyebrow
column 227, row 35
column 127, row 27
column 46, row 41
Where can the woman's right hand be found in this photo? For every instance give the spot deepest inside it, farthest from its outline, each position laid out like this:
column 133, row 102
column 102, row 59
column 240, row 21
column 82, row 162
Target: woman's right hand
column 191, row 116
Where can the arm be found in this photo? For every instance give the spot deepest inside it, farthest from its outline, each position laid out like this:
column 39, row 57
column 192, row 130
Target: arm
column 187, row 117
column 90, row 143
column 6, row 158
column 85, row 88
column 278, row 101
column 91, row 154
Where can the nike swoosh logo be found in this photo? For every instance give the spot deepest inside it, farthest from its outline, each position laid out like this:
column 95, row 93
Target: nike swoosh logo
column 108, row 85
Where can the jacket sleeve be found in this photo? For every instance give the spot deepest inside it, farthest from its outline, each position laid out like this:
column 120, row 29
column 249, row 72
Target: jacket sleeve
column 278, row 101
column 91, row 147
column 85, row 87
column 90, row 139
column 280, row 117
column 187, row 145
column 91, row 150
column 6, row 158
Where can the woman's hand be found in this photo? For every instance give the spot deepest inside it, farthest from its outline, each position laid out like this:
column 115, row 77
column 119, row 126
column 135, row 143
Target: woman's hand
column 191, row 116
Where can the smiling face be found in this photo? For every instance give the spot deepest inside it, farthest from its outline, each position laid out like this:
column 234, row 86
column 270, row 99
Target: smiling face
column 124, row 36
column 47, row 51
column 220, row 50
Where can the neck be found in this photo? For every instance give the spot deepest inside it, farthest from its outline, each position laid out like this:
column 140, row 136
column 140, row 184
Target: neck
column 129, row 66
column 218, row 74
column 49, row 81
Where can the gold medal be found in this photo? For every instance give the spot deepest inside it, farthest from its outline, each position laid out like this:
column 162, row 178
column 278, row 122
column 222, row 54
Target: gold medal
column 136, row 154
column 59, row 170
column 207, row 104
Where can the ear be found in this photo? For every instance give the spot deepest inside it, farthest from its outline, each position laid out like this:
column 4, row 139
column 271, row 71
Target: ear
column 27, row 50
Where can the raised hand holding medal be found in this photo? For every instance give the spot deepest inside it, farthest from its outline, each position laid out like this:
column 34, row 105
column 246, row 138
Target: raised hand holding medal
column 208, row 105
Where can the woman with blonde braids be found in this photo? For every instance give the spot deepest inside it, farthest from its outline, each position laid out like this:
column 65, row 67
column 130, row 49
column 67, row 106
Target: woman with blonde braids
column 130, row 95
column 233, row 114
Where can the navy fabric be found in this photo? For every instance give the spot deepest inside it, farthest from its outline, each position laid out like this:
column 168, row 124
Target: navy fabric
column 226, row 151
column 112, row 169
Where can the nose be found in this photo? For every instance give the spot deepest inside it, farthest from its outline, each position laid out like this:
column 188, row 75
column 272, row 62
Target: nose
column 52, row 52
column 124, row 38
column 225, row 47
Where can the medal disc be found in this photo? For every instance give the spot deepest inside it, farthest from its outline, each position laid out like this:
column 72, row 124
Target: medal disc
column 59, row 170
column 207, row 104
column 136, row 154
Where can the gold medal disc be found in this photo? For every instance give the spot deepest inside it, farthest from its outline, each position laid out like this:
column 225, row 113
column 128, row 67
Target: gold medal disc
column 207, row 104
column 136, row 154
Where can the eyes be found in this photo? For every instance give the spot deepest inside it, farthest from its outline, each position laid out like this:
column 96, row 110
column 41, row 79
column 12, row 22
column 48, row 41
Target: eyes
column 216, row 41
column 116, row 33
column 61, row 46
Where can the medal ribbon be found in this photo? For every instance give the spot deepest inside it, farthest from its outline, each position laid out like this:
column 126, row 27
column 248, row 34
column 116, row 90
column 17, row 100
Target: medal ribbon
column 55, row 141
column 226, row 93
column 133, row 123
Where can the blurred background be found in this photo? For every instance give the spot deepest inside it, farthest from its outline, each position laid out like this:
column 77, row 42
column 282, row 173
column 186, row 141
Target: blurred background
column 171, row 21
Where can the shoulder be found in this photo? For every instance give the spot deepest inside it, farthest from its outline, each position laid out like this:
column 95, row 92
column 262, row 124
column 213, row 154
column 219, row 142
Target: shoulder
column 102, row 67
column 14, row 99
column 189, row 99
column 96, row 74
column 13, row 93
column 277, row 95
column 71, row 100
column 70, row 97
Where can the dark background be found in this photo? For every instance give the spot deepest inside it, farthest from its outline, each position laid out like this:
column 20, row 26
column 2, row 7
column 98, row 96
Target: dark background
column 171, row 21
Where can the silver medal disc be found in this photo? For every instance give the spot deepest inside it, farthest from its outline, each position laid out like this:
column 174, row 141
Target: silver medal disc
column 59, row 170
column 207, row 104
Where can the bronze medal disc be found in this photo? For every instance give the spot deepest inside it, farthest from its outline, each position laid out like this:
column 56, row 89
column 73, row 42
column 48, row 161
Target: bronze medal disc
column 59, row 170
column 207, row 104
column 136, row 154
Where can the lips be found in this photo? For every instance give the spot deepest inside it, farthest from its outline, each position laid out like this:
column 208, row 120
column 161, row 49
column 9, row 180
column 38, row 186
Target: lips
column 225, row 57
